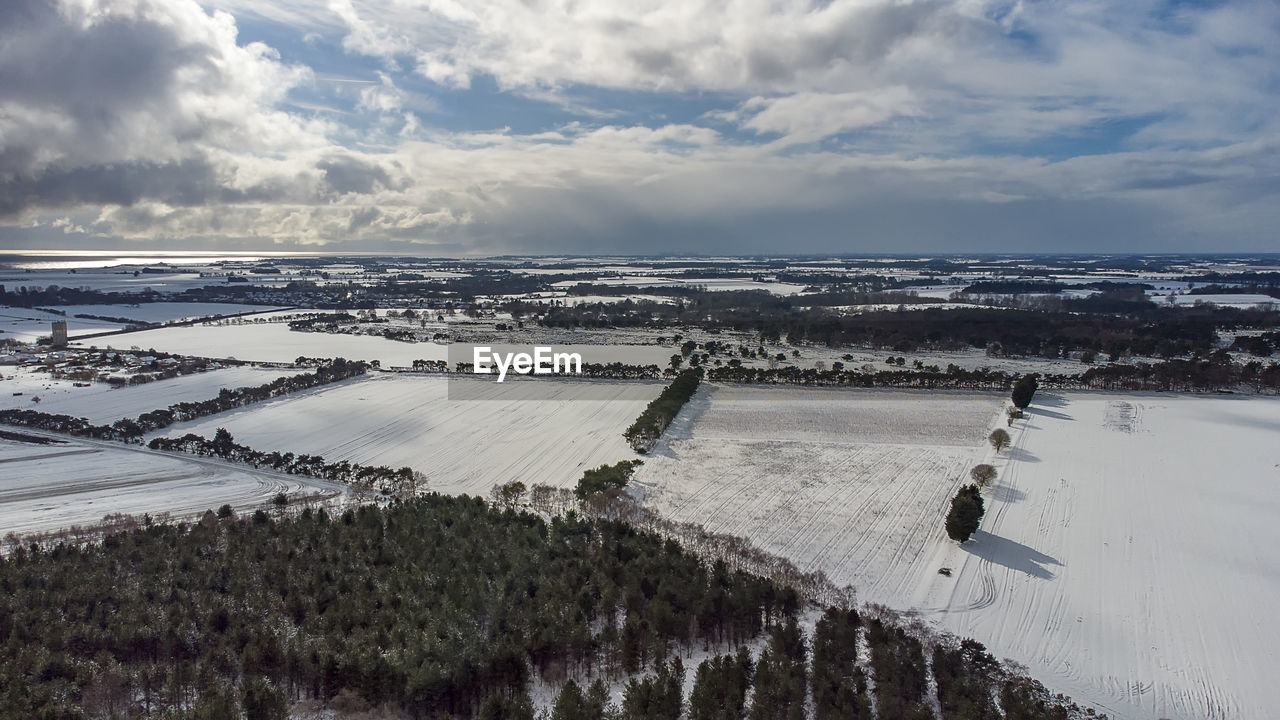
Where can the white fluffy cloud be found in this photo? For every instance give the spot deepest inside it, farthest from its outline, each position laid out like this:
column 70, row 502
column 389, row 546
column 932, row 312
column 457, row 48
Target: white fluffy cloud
column 841, row 124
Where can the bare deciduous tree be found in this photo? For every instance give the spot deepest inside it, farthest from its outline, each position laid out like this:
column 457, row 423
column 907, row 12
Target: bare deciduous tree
column 983, row 474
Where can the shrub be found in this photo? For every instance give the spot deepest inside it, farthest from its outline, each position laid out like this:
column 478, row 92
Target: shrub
column 983, row 474
column 1000, row 439
column 605, row 477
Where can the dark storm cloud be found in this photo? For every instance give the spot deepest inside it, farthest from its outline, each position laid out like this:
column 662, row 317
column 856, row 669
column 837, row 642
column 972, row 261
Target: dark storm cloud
column 346, row 174
column 188, row 182
column 88, row 73
column 131, row 101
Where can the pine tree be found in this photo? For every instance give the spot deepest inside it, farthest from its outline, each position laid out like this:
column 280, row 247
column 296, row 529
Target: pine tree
column 1024, row 389
column 570, row 704
column 966, row 513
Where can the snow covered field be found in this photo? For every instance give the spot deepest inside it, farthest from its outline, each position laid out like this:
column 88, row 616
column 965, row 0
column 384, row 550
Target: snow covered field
column 1129, row 555
column 106, row 280
column 163, row 311
column 777, row 288
column 77, row 482
column 103, row 404
column 271, row 342
column 1129, row 552
column 275, row 342
column 850, row 482
column 28, row 325
column 462, row 446
column 1239, row 300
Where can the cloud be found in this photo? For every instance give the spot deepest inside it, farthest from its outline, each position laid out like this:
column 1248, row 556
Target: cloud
column 806, row 117
column 135, row 97
column 875, row 124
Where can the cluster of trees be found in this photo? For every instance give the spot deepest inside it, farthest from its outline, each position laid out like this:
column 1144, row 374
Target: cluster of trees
column 1117, row 322
column 839, row 682
column 647, row 428
column 656, row 697
column 720, row 687
column 129, row 323
column 1216, row 372
column 781, row 676
column 621, row 371
column 324, row 322
column 967, row 678
column 965, row 514
column 605, row 478
column 864, row 297
column 1013, row 287
column 439, row 606
column 1260, row 284
column 397, row 481
column 1009, row 332
column 34, row 297
column 898, row 668
column 1260, row 345
column 436, row 366
column 132, row 429
column 953, row 377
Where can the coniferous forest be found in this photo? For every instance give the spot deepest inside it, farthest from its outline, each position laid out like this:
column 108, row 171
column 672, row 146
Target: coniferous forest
column 445, row 607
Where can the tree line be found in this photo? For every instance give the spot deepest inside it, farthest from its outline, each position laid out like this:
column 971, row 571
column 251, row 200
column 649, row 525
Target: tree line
column 386, row 480
column 132, row 429
column 660, row 411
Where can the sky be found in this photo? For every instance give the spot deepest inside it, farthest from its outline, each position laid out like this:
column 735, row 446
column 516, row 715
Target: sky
column 449, row 127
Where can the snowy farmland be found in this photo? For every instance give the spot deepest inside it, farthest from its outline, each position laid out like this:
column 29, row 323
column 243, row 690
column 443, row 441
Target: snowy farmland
column 271, row 342
column 463, row 446
column 850, row 482
column 101, row 403
column 29, row 325
column 1129, row 555
column 78, row 482
column 160, row 312
column 275, row 342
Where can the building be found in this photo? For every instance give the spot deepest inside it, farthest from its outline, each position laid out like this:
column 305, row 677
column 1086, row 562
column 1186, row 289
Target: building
column 59, row 333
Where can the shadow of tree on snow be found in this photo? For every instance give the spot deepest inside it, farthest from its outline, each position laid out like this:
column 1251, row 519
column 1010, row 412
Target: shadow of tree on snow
column 1010, row 554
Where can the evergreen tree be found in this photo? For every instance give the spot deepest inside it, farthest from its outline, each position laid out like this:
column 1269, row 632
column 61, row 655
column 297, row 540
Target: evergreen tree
column 1024, row 389
column 965, row 514
column 570, row 704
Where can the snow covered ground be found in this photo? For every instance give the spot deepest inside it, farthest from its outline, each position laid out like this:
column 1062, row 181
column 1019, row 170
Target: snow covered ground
column 1129, row 555
column 106, row 280
column 103, row 404
column 1239, row 300
column 275, row 342
column 850, row 482
column 463, row 446
column 1129, row 552
column 271, row 342
column 77, row 482
column 163, row 311
column 28, row 325
column 713, row 284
